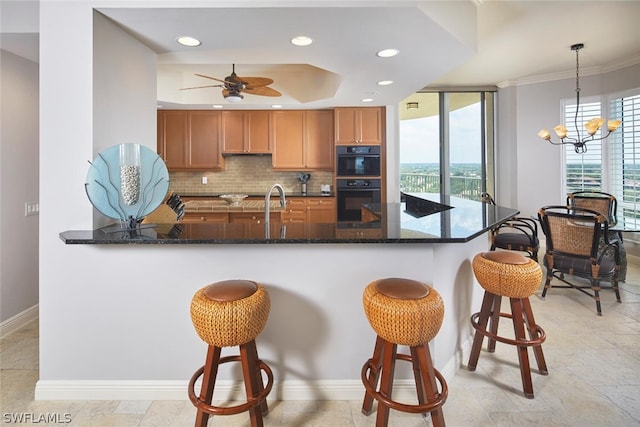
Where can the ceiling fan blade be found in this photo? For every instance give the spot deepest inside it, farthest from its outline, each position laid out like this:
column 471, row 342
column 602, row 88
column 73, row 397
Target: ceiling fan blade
column 262, row 91
column 256, row 81
column 199, row 87
column 212, row 78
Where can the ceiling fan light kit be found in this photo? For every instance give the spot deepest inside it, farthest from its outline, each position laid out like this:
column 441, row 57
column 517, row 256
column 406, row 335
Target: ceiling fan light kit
column 592, row 126
column 234, row 97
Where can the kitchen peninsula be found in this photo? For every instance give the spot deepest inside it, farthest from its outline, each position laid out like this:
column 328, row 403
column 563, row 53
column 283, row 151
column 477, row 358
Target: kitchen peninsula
column 425, row 218
column 137, row 341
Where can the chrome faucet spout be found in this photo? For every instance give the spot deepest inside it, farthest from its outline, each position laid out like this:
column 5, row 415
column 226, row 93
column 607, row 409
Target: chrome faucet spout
column 267, row 207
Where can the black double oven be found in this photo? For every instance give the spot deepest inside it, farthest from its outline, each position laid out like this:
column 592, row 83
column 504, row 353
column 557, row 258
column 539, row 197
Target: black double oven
column 358, row 179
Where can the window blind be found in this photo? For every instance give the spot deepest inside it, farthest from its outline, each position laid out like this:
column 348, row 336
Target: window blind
column 624, row 146
column 582, row 171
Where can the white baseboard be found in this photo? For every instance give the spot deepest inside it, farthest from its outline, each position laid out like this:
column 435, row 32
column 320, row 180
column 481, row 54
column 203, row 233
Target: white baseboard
column 228, row 390
column 224, row 391
column 19, row 320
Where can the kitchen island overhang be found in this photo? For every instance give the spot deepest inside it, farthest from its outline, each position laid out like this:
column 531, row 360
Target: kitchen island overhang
column 446, row 220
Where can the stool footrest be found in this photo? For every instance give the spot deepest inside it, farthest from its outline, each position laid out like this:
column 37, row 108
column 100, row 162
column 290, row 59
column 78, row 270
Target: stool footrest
column 541, row 336
column 230, row 410
column 386, row 400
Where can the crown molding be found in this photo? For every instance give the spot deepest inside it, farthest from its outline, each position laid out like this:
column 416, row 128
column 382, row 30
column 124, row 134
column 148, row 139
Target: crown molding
column 543, row 78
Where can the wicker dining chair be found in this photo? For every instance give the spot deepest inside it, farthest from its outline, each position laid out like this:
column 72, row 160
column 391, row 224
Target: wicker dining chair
column 607, row 205
column 598, row 201
column 574, row 248
column 517, row 234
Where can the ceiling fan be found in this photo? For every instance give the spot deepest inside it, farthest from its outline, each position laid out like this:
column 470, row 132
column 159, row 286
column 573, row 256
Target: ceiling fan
column 233, row 86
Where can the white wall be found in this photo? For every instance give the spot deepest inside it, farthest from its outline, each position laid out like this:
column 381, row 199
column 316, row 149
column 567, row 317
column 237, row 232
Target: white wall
column 18, row 184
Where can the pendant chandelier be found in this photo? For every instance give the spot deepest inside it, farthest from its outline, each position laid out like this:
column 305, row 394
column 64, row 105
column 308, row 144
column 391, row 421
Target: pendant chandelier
column 592, row 126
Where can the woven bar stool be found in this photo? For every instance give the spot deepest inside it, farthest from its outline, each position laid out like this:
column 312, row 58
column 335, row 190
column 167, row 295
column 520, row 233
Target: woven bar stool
column 403, row 312
column 511, row 275
column 228, row 314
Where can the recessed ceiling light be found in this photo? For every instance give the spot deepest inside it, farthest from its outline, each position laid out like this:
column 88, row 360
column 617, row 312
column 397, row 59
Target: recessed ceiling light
column 301, row 41
column 188, row 41
column 367, row 99
column 385, row 82
column 388, row 53
column 276, row 106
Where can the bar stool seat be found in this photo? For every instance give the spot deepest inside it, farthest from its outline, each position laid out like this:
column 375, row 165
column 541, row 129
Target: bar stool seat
column 227, row 314
column 511, row 275
column 403, row 312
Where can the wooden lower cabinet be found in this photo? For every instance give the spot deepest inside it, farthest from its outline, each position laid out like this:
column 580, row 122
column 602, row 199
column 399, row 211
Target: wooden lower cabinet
column 212, row 217
column 251, row 217
column 321, row 209
column 310, row 210
column 296, row 210
column 359, row 233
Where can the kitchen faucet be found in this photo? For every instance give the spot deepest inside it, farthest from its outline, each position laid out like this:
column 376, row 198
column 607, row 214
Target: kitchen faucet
column 267, row 207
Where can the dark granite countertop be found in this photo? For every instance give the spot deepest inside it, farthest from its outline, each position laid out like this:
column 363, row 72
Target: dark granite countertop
column 459, row 222
column 274, row 196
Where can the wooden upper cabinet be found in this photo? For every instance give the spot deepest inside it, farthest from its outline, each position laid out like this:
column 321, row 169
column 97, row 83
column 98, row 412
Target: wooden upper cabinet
column 359, row 126
column 204, row 140
column 172, row 138
column 288, row 139
column 245, row 132
column 319, row 148
column 189, row 140
column 302, row 140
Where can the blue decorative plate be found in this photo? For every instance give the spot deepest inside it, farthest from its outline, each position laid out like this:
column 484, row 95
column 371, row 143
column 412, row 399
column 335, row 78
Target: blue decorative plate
column 108, row 192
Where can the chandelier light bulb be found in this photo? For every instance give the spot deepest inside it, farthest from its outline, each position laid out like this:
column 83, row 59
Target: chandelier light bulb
column 612, row 125
column 561, row 131
column 544, row 134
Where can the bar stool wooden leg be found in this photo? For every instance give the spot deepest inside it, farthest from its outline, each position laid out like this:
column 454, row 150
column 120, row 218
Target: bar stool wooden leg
column 483, row 319
column 417, row 374
column 426, row 372
column 252, row 383
column 523, row 353
column 374, row 375
column 493, row 324
column 534, row 333
column 208, row 383
column 386, row 382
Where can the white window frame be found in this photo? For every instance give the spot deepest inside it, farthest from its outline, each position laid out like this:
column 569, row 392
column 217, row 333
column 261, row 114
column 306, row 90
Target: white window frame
column 609, row 184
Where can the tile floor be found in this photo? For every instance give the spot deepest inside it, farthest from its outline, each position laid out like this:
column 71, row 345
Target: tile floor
column 594, row 380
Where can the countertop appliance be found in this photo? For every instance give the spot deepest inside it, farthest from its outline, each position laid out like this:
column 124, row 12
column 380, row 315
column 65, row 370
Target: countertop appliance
column 358, row 160
column 351, row 194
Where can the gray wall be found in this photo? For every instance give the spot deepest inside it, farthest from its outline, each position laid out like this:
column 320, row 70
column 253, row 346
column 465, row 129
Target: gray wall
column 18, row 184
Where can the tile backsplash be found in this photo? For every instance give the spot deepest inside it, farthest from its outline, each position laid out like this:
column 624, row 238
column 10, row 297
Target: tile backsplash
column 250, row 174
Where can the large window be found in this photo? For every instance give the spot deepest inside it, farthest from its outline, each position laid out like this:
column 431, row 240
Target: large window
column 446, row 143
column 613, row 164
